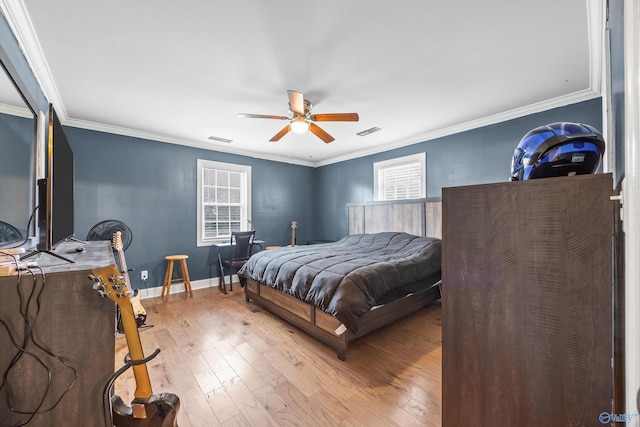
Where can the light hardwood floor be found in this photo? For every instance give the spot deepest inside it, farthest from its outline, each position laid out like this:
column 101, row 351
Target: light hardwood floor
column 233, row 364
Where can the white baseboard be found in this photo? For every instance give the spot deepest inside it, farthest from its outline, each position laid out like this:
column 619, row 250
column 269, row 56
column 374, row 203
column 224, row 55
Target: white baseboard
column 178, row 287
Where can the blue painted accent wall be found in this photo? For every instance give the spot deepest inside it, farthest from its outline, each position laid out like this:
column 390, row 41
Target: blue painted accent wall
column 478, row 156
column 151, row 187
column 16, row 171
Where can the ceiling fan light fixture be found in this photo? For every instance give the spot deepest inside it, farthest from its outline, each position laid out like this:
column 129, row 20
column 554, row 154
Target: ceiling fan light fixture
column 299, row 125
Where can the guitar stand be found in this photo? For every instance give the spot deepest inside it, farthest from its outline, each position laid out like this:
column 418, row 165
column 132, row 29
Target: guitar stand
column 222, row 287
column 118, row 331
column 106, row 399
column 118, row 323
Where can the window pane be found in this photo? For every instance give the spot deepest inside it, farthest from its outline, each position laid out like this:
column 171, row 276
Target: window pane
column 207, row 195
column 223, row 213
column 235, row 213
column 210, row 213
column 208, row 177
column 223, row 229
column 210, row 230
column 223, row 178
column 222, row 195
column 235, row 195
column 235, row 180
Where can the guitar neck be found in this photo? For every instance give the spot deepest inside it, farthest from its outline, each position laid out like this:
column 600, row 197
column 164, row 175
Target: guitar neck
column 130, row 326
column 293, row 233
column 125, row 270
column 140, row 372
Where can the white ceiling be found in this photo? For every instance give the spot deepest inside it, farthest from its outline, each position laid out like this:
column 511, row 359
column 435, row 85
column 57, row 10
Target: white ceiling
column 181, row 71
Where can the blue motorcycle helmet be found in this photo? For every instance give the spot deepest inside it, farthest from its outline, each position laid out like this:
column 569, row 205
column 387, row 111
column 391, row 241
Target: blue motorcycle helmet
column 557, row 149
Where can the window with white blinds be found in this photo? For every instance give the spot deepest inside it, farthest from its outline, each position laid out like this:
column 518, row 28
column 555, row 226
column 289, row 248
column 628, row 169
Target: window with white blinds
column 224, row 194
column 400, row 178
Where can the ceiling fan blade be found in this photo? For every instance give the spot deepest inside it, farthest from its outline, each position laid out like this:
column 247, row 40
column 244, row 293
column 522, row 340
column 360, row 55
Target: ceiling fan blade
column 262, row 116
column 296, row 101
column 285, row 130
column 335, row 117
column 317, row 131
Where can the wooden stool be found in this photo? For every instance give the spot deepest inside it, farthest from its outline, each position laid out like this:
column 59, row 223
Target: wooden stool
column 168, row 277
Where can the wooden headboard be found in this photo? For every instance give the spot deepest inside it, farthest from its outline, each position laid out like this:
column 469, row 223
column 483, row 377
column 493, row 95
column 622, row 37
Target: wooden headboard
column 420, row 217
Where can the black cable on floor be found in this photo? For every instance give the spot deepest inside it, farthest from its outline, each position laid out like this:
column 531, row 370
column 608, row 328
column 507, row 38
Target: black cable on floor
column 28, row 337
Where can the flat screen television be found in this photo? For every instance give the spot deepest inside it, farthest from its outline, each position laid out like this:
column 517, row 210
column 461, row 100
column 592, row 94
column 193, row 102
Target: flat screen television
column 55, row 192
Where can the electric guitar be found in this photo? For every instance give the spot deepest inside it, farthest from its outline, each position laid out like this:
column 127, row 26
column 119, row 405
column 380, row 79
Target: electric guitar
column 294, row 225
column 146, row 409
column 138, row 310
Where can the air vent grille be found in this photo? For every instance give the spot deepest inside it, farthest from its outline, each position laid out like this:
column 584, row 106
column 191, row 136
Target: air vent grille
column 216, row 138
column 368, row 131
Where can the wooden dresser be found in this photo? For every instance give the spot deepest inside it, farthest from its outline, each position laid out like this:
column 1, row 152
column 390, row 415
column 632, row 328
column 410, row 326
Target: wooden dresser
column 72, row 327
column 527, row 302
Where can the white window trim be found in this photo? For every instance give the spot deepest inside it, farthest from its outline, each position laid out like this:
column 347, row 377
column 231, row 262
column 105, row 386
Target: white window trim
column 378, row 167
column 245, row 219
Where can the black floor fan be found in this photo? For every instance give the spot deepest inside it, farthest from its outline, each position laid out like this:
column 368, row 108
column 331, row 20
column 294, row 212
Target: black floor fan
column 105, row 230
column 9, row 234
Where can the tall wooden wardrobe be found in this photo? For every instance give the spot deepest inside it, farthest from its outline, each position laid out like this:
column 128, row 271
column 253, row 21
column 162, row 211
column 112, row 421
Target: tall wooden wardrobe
column 527, row 302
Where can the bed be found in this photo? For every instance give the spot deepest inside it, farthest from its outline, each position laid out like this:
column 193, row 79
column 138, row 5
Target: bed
column 387, row 267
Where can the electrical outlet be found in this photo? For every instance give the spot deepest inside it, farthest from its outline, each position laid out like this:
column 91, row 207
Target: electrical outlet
column 144, row 275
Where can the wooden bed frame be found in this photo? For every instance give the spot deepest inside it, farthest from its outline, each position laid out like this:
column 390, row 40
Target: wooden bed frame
column 420, row 217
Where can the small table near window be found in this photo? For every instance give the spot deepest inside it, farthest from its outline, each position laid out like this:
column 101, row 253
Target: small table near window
column 223, row 245
column 256, row 242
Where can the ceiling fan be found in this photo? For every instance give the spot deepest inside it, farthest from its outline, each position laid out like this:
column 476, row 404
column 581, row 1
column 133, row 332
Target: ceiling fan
column 301, row 119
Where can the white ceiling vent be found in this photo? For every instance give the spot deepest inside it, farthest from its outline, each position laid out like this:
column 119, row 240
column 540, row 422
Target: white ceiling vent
column 215, row 138
column 368, row 131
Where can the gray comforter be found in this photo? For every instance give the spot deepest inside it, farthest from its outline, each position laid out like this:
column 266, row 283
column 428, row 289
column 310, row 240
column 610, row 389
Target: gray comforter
column 346, row 277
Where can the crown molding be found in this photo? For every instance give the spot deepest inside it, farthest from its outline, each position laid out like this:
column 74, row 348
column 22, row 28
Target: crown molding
column 157, row 137
column 16, row 111
column 20, row 23
column 573, row 98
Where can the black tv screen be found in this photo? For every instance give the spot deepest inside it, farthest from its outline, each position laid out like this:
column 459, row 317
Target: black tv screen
column 56, row 191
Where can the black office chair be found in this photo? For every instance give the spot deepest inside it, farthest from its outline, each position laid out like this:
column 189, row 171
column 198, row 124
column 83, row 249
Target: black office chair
column 241, row 249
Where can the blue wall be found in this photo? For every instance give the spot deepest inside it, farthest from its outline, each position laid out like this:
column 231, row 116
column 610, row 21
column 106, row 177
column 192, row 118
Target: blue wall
column 16, row 171
column 477, row 156
column 151, row 187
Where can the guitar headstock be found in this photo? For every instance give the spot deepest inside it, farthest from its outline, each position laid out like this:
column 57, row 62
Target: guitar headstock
column 117, row 241
column 109, row 282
